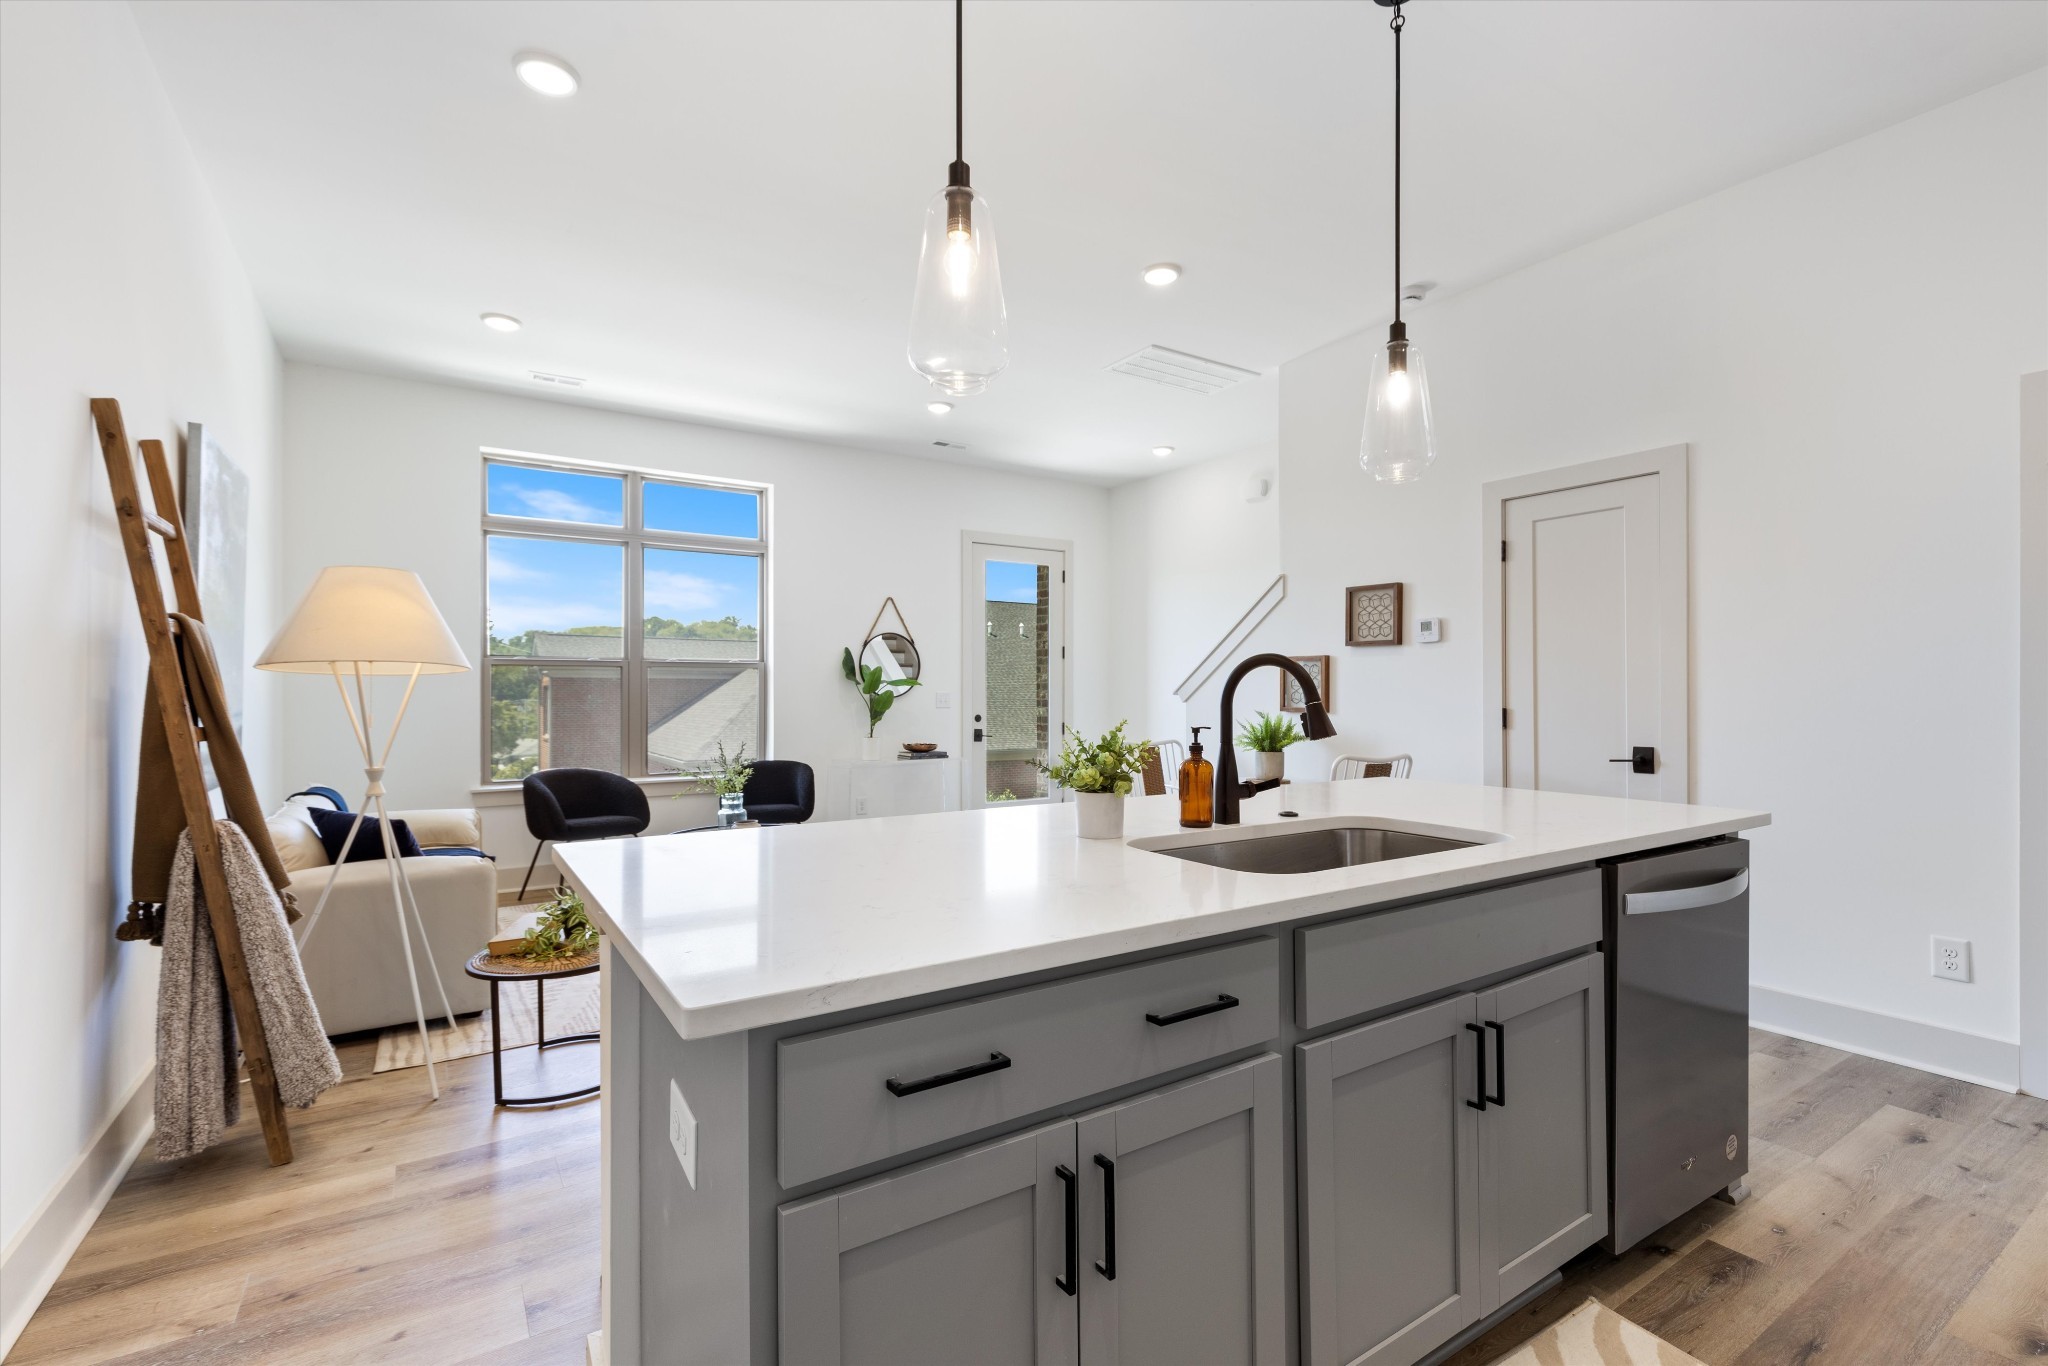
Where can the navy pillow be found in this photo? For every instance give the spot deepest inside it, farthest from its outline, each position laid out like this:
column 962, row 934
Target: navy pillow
column 332, row 827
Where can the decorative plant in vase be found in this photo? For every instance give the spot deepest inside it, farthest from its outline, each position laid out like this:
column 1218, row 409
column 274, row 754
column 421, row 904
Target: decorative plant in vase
column 729, row 780
column 877, row 693
column 1266, row 738
column 1100, row 773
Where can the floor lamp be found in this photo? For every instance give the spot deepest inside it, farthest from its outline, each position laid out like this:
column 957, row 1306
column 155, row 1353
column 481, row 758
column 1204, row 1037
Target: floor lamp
column 356, row 623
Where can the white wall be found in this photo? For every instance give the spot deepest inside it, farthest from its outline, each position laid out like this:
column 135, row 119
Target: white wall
column 1190, row 555
column 116, row 279
column 385, row 471
column 1840, row 342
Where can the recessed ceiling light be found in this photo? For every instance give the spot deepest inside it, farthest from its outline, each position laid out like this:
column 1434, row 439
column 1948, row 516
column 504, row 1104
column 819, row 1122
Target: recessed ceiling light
column 1162, row 275
column 937, row 407
column 1162, row 451
column 545, row 74
column 499, row 322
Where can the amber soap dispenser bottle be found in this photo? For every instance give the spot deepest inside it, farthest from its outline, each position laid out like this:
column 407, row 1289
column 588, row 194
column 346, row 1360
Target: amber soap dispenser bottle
column 1197, row 786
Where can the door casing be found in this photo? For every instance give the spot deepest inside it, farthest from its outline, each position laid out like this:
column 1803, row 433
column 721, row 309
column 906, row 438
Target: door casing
column 1671, row 465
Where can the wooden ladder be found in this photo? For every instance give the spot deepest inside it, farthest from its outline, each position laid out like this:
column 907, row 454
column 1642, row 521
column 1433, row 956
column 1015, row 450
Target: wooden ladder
column 181, row 729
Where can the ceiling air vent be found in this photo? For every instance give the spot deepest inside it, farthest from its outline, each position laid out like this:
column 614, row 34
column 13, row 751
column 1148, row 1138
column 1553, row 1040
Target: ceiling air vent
column 560, row 381
column 1163, row 365
column 952, row 445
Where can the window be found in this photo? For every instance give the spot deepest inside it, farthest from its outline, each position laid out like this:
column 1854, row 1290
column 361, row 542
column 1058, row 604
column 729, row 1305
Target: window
column 572, row 555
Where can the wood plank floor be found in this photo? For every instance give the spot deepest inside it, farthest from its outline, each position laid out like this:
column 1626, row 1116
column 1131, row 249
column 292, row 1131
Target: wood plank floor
column 1898, row 1218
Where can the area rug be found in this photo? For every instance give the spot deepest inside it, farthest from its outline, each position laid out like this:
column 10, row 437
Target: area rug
column 572, row 1009
column 1594, row 1335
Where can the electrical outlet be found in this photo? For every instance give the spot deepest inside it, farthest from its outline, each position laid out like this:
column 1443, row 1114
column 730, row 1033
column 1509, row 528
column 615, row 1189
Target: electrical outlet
column 682, row 1132
column 943, row 702
column 1952, row 959
column 860, row 806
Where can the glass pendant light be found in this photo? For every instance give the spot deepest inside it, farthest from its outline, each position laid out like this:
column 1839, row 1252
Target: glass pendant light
column 1400, row 439
column 959, row 332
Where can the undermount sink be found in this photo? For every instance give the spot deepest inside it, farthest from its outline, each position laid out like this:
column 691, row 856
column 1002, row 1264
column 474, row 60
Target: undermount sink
column 1309, row 851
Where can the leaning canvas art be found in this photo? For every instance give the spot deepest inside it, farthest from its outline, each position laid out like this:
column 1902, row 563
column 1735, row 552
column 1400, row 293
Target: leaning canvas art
column 216, row 511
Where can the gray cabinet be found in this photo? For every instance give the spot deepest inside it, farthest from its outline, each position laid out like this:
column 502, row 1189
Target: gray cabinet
column 1182, row 1224
column 954, row 1256
column 1451, row 1156
column 1543, row 1144
column 1390, row 1186
column 1162, row 1243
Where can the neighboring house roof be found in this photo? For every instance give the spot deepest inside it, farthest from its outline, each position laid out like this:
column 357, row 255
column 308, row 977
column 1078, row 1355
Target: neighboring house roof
column 726, row 712
column 565, row 645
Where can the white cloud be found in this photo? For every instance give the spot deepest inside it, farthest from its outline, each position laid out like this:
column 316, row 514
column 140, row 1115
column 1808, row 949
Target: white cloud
column 670, row 593
column 559, row 506
column 510, row 616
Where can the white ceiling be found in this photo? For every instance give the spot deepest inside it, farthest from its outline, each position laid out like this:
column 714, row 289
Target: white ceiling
column 723, row 224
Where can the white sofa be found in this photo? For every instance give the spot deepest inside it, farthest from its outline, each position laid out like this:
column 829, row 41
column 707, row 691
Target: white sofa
column 355, row 962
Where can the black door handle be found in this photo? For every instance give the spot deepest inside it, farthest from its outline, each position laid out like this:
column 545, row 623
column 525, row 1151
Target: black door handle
column 996, row 1063
column 1073, row 1200
column 1641, row 759
column 977, row 735
column 1479, row 1060
column 1107, row 1266
column 1499, row 1094
column 1222, row 1002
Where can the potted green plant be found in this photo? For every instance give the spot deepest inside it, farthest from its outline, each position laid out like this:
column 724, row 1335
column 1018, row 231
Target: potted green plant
column 1267, row 738
column 563, row 931
column 728, row 778
column 1100, row 773
column 877, row 693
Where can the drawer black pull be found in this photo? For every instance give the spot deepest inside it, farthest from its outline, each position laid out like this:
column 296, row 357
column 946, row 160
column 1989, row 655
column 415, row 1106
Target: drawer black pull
column 1499, row 1094
column 1072, row 1283
column 1225, row 1002
column 1107, row 1266
column 1479, row 1060
column 996, row 1063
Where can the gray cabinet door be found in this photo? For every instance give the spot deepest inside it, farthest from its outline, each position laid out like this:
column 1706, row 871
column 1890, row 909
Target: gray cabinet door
column 1183, row 1254
column 955, row 1259
column 1543, row 1144
column 1390, row 1186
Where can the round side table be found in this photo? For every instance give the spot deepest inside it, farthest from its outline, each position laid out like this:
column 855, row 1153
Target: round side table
column 495, row 969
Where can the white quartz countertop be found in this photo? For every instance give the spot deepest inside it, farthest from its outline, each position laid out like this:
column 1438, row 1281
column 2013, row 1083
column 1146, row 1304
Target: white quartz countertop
column 734, row 929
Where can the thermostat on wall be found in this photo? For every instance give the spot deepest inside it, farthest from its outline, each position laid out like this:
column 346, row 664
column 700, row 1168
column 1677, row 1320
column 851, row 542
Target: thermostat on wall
column 1429, row 630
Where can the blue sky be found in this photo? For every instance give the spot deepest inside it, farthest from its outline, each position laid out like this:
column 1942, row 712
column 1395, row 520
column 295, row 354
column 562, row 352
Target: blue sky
column 599, row 499
column 554, row 585
column 1011, row 582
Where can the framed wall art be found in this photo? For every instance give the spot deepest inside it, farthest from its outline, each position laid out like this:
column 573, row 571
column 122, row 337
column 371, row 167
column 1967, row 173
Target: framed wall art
column 1318, row 667
column 1372, row 614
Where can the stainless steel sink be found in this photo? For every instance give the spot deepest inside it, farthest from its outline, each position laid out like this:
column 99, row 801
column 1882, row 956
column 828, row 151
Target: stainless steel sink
column 1312, row 851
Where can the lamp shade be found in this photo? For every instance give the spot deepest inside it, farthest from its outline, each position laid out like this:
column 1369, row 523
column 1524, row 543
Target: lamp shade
column 378, row 620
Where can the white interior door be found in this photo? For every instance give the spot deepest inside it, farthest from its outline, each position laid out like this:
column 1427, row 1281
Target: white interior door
column 1587, row 621
column 1013, row 652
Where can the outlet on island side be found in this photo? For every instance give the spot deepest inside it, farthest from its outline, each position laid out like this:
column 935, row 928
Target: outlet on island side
column 682, row 1131
column 1952, row 959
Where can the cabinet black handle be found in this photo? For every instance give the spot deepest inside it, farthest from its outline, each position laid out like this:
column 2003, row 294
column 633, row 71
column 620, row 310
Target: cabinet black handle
column 1499, row 1094
column 1222, row 1002
column 1479, row 1059
column 1107, row 1266
column 996, row 1063
column 1073, row 1194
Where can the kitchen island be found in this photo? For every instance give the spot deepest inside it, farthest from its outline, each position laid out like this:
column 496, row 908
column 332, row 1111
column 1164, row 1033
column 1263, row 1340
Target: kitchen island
column 965, row 1088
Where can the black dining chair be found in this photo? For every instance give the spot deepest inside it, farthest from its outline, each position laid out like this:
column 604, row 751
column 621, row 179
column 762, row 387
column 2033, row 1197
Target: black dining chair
column 781, row 792
column 579, row 804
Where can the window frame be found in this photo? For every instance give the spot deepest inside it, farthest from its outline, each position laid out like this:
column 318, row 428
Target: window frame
column 634, row 540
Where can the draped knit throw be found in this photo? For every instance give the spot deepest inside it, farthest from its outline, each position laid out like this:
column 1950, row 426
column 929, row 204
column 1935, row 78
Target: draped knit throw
column 197, row 1093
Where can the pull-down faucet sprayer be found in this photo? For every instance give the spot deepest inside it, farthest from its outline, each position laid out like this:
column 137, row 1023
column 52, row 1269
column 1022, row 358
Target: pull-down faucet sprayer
column 1315, row 723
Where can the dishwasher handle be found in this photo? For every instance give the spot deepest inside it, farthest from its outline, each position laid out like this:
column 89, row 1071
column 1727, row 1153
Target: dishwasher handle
column 1686, row 898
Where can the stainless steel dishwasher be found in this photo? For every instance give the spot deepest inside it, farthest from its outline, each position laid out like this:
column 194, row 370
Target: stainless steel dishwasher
column 1677, row 943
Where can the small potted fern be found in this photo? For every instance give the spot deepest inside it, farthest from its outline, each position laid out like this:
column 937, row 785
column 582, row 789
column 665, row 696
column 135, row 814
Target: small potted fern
column 1267, row 739
column 1100, row 773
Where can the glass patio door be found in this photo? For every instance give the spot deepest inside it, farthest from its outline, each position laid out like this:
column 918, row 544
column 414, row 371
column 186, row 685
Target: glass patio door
column 1015, row 657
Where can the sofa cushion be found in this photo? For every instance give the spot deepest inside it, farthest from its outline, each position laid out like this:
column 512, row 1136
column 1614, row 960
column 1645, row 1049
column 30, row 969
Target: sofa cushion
column 369, row 843
column 297, row 842
column 453, row 827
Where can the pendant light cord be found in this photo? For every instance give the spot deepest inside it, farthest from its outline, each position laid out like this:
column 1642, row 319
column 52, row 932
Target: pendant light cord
column 959, row 86
column 1396, row 24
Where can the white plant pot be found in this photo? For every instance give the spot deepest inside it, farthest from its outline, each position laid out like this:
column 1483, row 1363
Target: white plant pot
column 1269, row 768
column 1100, row 815
column 870, row 748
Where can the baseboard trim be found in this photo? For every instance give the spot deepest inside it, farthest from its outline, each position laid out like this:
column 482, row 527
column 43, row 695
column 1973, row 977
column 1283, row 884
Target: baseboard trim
column 1889, row 1038
column 38, row 1253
